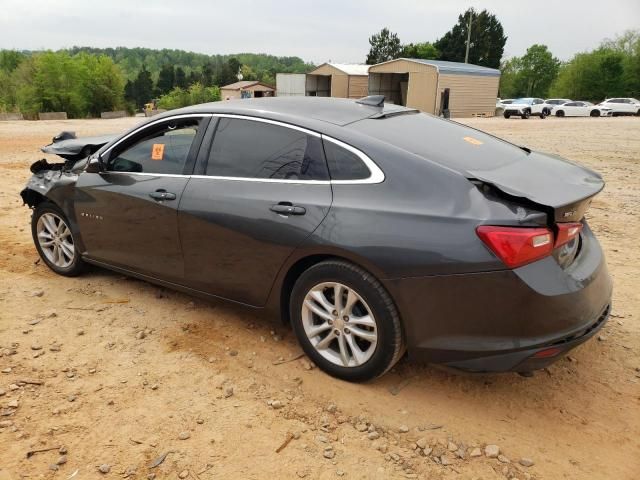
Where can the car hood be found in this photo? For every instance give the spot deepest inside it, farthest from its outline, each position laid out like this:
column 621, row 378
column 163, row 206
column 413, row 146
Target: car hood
column 74, row 146
column 519, row 105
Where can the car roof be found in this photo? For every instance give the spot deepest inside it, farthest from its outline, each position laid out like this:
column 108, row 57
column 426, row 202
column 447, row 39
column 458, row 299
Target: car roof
column 304, row 111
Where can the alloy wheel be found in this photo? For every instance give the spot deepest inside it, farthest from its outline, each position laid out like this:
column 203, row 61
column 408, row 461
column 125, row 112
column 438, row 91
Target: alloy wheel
column 55, row 240
column 339, row 324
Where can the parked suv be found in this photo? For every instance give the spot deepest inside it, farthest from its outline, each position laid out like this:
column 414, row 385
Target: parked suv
column 622, row 106
column 525, row 107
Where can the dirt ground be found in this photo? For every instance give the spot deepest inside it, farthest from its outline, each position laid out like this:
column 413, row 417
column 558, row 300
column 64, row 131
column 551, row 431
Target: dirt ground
column 119, row 372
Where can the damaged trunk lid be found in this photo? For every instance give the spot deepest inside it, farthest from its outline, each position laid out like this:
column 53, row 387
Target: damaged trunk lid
column 560, row 187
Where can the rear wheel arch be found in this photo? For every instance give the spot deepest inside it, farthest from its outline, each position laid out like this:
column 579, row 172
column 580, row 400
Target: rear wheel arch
column 343, row 275
column 301, row 265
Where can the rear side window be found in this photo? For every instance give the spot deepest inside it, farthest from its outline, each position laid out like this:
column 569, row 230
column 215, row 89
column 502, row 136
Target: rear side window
column 253, row 149
column 344, row 164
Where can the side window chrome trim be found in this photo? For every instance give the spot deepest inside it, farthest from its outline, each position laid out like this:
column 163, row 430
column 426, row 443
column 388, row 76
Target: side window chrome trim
column 155, row 122
column 376, row 174
column 145, row 174
column 263, row 180
column 268, row 120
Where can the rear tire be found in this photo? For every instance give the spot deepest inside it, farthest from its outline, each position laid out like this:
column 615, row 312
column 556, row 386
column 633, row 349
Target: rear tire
column 560, row 113
column 357, row 337
column 526, row 114
column 54, row 240
column 594, row 113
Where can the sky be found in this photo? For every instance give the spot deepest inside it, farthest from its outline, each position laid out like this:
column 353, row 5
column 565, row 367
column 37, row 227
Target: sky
column 330, row 30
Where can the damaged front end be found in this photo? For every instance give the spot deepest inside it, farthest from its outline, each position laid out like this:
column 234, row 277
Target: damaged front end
column 51, row 180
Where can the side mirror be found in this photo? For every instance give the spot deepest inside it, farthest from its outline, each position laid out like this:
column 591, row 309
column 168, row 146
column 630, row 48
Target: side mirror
column 94, row 165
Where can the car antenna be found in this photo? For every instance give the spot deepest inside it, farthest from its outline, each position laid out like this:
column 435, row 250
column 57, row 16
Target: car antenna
column 372, row 100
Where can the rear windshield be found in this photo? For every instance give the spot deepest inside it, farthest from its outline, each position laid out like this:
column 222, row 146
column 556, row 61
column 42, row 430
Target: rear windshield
column 446, row 142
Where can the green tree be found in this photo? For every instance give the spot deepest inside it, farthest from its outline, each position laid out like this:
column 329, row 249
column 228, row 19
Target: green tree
column 425, row 50
column 487, row 40
column 102, row 83
column 142, row 87
column 384, row 46
column 180, row 78
column 56, row 86
column 593, row 76
column 530, row 75
column 166, row 79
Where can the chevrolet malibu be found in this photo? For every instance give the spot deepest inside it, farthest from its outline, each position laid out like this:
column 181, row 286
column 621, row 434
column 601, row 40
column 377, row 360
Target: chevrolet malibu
column 372, row 229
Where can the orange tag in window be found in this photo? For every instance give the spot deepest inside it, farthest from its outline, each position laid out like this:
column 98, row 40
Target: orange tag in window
column 157, row 151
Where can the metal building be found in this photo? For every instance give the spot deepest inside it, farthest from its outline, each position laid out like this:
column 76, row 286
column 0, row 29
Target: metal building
column 425, row 84
column 338, row 80
column 290, row 84
column 246, row 89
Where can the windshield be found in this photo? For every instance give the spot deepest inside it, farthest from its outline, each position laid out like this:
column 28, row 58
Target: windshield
column 524, row 100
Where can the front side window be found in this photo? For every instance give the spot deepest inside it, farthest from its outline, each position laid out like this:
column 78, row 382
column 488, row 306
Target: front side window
column 344, row 164
column 164, row 149
column 253, row 149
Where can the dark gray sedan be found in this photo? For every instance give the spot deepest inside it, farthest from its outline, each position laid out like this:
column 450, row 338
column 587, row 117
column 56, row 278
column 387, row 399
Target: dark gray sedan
column 372, row 229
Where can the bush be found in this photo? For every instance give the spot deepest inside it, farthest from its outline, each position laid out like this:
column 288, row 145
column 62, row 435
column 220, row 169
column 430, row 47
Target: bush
column 195, row 94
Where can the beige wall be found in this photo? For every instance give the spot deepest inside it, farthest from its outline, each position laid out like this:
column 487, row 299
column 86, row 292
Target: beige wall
column 421, row 93
column 229, row 94
column 358, row 86
column 326, row 70
column 339, row 86
column 401, row 66
column 469, row 94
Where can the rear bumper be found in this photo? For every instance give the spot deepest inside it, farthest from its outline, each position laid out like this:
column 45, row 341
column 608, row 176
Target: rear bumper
column 498, row 321
column 531, row 359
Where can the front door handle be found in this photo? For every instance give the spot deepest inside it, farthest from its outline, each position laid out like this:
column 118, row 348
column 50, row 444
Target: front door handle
column 287, row 208
column 162, row 194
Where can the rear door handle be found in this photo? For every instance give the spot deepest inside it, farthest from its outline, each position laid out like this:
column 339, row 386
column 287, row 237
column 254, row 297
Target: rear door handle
column 162, row 194
column 287, row 208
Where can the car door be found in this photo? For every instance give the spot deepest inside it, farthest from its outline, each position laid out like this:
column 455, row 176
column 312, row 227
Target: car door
column 260, row 189
column 571, row 109
column 582, row 109
column 127, row 213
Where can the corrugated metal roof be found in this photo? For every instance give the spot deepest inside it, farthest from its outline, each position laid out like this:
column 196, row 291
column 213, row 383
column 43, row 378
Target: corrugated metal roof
column 454, row 68
column 351, row 68
column 244, row 84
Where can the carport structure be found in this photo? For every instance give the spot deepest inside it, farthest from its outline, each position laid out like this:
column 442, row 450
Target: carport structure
column 424, row 84
column 340, row 80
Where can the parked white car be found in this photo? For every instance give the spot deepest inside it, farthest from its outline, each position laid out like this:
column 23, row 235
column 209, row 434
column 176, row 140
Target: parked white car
column 622, row 106
column 525, row 107
column 552, row 102
column 580, row 109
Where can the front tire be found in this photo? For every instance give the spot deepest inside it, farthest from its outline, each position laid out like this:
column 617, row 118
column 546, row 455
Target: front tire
column 54, row 240
column 543, row 114
column 507, row 115
column 346, row 321
column 594, row 113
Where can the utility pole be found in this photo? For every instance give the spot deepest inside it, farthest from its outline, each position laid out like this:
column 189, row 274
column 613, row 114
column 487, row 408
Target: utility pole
column 466, row 55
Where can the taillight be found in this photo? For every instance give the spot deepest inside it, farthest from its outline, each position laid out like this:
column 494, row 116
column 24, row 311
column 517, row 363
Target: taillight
column 567, row 232
column 517, row 246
